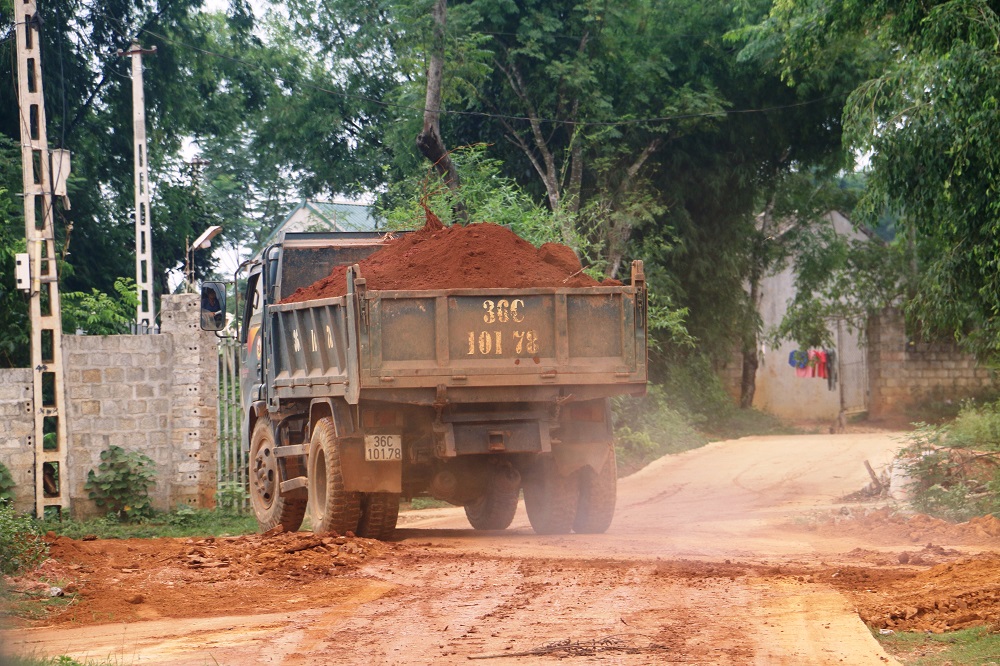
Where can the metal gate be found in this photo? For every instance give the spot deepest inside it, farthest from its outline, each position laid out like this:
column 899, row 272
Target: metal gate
column 852, row 354
column 232, row 490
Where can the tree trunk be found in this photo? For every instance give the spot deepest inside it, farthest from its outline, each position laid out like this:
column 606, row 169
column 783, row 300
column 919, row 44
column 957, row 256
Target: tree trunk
column 751, row 357
column 429, row 140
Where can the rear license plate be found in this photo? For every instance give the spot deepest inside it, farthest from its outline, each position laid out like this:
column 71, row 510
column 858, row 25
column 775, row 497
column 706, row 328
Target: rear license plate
column 383, row 447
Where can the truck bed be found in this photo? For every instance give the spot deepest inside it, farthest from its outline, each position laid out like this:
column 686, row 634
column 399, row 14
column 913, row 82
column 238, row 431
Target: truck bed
column 373, row 341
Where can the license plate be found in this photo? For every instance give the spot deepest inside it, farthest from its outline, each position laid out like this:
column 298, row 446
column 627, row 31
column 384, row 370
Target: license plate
column 383, row 447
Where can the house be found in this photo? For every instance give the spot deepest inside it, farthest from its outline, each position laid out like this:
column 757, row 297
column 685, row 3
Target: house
column 326, row 216
column 779, row 390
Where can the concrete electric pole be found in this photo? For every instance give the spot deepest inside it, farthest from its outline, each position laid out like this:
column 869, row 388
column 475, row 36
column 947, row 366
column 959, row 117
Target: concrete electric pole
column 44, row 178
column 145, row 312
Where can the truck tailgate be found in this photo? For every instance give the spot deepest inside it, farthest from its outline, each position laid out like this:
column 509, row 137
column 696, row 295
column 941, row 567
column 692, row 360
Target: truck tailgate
column 497, row 337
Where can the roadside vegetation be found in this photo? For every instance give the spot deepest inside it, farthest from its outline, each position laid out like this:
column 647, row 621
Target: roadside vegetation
column 969, row 647
column 954, row 470
column 955, row 467
column 181, row 522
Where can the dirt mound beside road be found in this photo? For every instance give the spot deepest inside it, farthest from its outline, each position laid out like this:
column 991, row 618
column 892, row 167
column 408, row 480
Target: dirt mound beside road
column 477, row 256
column 112, row 580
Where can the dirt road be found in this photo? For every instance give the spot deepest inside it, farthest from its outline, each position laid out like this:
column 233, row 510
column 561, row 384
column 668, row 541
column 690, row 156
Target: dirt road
column 741, row 552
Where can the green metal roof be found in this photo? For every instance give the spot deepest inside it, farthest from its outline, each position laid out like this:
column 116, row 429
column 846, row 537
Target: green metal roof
column 326, row 216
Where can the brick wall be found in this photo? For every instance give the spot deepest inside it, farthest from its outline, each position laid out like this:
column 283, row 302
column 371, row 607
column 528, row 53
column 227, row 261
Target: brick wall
column 902, row 373
column 157, row 394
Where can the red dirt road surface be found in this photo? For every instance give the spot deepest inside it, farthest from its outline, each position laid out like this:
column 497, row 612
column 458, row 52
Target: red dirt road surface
column 741, row 552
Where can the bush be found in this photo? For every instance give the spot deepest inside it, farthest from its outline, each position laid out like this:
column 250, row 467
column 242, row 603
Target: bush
column 231, row 496
column 950, row 482
column 977, row 426
column 21, row 544
column 6, row 485
column 121, row 484
column 648, row 428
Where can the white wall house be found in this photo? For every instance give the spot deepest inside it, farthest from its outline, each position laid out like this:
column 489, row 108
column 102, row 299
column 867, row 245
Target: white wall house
column 779, row 390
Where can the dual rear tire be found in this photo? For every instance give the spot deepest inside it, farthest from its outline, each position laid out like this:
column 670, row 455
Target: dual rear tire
column 582, row 502
column 332, row 508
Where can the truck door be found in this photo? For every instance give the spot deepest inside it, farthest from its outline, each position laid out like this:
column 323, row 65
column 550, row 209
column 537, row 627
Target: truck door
column 252, row 382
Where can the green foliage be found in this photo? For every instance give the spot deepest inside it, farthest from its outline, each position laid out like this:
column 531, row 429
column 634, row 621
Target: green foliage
column 231, row 496
column 61, row 660
column 693, row 387
column 14, row 328
column 21, row 544
column 6, row 485
column 976, row 427
column 923, row 107
column 978, row 646
column 950, row 482
column 841, row 279
column 184, row 522
column 121, row 483
column 97, row 313
column 421, row 503
column 485, row 193
column 667, row 324
column 648, row 428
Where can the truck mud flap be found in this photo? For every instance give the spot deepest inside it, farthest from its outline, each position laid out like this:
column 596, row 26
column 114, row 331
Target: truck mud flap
column 571, row 456
column 459, row 439
column 360, row 475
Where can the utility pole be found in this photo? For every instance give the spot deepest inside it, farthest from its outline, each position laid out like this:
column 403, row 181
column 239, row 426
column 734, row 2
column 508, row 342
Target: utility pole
column 44, row 176
column 143, row 235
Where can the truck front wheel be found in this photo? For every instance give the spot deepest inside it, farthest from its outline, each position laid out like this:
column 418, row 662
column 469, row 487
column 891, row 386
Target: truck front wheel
column 550, row 498
column 331, row 508
column 269, row 506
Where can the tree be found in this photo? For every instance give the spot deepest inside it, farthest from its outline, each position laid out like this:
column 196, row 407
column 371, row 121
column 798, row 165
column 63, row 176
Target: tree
column 926, row 113
column 14, row 328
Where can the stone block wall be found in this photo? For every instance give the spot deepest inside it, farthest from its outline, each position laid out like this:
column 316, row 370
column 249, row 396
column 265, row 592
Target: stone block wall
column 902, row 372
column 156, row 394
column 17, row 450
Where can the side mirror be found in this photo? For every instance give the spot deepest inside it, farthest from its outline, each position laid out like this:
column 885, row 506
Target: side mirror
column 213, row 306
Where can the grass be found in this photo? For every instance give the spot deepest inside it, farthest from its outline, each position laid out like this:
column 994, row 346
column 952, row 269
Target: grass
column 184, row 522
column 968, row 647
column 31, row 605
column 61, row 660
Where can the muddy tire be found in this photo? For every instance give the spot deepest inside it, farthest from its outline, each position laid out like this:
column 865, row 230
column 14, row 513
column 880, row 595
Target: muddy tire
column 493, row 511
column 379, row 512
column 598, row 491
column 331, row 508
column 550, row 498
column 269, row 506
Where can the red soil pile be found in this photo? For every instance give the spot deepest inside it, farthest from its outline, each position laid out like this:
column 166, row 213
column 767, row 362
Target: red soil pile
column 478, row 256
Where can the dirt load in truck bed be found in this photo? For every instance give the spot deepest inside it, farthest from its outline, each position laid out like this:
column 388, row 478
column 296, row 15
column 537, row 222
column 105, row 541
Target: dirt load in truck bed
column 477, row 256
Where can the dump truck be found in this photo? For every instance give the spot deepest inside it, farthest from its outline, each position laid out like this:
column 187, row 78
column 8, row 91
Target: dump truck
column 354, row 403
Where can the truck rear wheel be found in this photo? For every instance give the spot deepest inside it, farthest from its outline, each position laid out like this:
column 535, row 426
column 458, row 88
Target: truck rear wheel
column 331, row 508
column 379, row 512
column 493, row 511
column 269, row 506
column 550, row 498
column 597, row 498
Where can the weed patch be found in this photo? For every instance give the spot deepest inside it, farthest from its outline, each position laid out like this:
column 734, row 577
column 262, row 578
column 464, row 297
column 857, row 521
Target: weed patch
column 969, row 647
column 184, row 522
column 21, row 544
